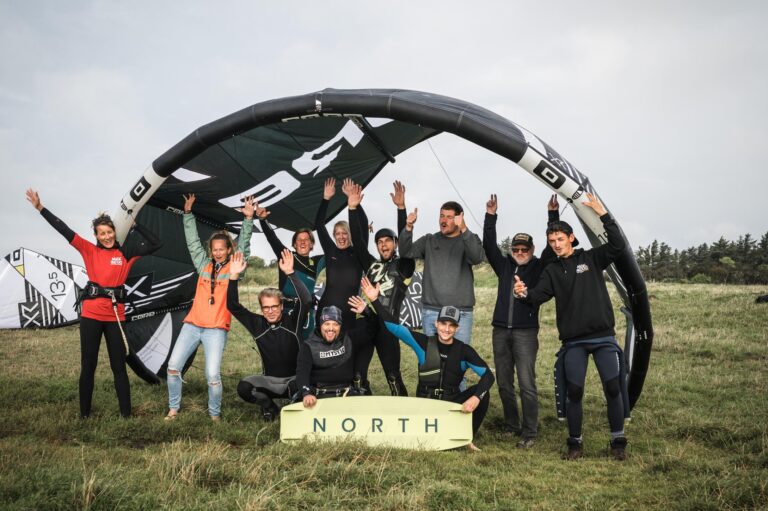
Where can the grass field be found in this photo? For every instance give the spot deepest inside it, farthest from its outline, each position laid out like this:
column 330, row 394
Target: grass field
column 698, row 437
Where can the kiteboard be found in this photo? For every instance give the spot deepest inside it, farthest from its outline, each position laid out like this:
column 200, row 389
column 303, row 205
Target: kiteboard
column 402, row 422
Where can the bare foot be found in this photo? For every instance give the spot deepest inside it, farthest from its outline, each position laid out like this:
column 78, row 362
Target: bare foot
column 216, row 418
column 473, row 448
column 172, row 414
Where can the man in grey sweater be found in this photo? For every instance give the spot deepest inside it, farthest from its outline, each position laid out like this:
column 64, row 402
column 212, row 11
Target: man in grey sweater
column 448, row 259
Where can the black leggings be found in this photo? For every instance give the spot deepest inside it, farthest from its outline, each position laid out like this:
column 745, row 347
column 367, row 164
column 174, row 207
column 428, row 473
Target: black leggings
column 90, row 341
column 608, row 365
column 388, row 348
column 479, row 414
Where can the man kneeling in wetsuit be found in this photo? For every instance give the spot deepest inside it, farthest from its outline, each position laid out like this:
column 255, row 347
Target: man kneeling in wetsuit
column 326, row 364
column 443, row 360
column 277, row 335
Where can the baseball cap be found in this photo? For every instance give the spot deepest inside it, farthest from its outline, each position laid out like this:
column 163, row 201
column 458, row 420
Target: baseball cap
column 449, row 313
column 522, row 238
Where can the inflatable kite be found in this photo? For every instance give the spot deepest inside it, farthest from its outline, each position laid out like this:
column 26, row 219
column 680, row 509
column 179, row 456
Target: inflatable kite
column 38, row 291
column 282, row 150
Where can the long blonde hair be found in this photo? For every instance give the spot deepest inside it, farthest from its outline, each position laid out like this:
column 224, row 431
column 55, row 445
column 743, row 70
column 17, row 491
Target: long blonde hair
column 344, row 225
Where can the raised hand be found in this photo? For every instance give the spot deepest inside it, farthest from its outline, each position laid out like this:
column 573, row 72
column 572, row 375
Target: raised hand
column 248, row 207
column 553, row 205
column 520, row 289
column 237, row 265
column 369, row 290
column 347, row 186
column 459, row 219
column 357, row 304
column 189, row 200
column 355, row 196
column 286, row 261
column 329, row 190
column 34, row 198
column 411, row 219
column 595, row 204
column 261, row 213
column 492, row 205
column 398, row 196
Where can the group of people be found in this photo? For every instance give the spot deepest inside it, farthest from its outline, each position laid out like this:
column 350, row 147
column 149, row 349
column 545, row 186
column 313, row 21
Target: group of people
column 312, row 351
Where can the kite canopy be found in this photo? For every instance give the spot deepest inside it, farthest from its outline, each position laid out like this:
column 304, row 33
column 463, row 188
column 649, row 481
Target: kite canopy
column 282, row 150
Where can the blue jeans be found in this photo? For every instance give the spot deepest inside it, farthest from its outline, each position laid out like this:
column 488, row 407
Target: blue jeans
column 463, row 334
column 214, row 340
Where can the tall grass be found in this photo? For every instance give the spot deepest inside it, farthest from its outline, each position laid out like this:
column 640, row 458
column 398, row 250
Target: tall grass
column 698, row 436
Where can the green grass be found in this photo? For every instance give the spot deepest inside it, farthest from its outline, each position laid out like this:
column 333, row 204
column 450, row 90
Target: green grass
column 698, row 437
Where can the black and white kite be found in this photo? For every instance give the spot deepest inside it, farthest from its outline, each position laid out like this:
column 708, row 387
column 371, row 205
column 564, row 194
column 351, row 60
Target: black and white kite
column 282, row 150
column 38, row 291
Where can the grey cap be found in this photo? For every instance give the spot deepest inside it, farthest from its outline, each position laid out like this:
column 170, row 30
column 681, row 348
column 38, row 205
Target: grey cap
column 449, row 313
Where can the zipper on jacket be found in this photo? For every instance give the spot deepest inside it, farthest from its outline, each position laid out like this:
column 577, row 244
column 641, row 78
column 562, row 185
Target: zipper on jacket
column 512, row 300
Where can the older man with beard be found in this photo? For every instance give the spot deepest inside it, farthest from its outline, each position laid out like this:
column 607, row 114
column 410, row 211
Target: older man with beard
column 516, row 323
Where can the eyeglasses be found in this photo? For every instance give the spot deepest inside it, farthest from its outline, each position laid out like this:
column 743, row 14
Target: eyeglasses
column 266, row 308
column 523, row 250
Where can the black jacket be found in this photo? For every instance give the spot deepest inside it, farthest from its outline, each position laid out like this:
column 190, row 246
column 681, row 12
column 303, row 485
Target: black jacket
column 584, row 309
column 509, row 312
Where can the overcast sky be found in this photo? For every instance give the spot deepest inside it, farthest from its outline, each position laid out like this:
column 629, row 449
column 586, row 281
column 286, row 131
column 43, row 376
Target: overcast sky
column 661, row 104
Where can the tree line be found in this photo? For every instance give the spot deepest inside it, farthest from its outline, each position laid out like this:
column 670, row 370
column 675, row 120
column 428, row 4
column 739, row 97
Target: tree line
column 744, row 261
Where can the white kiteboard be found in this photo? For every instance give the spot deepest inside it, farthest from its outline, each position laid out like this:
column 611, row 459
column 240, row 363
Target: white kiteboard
column 403, row 422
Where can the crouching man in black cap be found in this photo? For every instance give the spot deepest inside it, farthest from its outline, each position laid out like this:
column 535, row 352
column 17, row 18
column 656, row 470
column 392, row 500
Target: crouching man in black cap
column 443, row 360
column 586, row 325
column 327, row 359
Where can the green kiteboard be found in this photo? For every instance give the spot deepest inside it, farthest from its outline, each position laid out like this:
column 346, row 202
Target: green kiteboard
column 403, row 422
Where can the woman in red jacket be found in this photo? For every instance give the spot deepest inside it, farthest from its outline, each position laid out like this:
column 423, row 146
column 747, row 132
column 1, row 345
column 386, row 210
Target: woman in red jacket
column 107, row 264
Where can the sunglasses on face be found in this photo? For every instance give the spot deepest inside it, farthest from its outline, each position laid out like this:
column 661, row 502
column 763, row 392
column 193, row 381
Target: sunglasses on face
column 523, row 250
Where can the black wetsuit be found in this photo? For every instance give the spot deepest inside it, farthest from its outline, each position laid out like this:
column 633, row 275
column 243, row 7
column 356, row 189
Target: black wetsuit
column 328, row 369
column 585, row 323
column 455, row 359
column 342, row 270
column 278, row 344
column 306, row 268
column 392, row 275
column 91, row 328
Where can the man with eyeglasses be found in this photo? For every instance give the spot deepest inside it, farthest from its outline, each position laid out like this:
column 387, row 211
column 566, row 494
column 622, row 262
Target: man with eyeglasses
column 516, row 323
column 277, row 334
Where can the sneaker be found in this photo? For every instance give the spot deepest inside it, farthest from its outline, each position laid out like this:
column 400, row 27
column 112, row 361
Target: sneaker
column 526, row 443
column 618, row 448
column 575, row 449
column 509, row 430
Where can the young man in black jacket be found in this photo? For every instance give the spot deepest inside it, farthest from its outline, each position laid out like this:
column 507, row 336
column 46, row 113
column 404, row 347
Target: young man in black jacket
column 585, row 323
column 516, row 323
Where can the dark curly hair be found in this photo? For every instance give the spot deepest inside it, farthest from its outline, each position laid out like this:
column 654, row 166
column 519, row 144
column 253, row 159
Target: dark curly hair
column 102, row 219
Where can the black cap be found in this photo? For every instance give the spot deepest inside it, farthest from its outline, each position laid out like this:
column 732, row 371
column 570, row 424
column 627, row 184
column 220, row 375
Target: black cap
column 561, row 226
column 522, row 238
column 384, row 233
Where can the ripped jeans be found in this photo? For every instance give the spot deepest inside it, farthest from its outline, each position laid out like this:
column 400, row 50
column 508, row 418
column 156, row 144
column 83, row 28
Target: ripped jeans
column 214, row 340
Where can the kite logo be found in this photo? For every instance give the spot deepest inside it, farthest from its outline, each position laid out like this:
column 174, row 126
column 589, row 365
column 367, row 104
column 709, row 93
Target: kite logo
column 549, row 175
column 282, row 184
column 140, row 189
column 582, row 268
column 116, row 261
column 578, row 193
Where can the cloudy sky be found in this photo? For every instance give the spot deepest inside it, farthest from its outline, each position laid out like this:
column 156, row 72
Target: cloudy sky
column 661, row 104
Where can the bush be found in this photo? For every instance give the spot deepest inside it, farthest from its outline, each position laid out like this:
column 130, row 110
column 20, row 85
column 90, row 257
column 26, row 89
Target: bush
column 700, row 278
